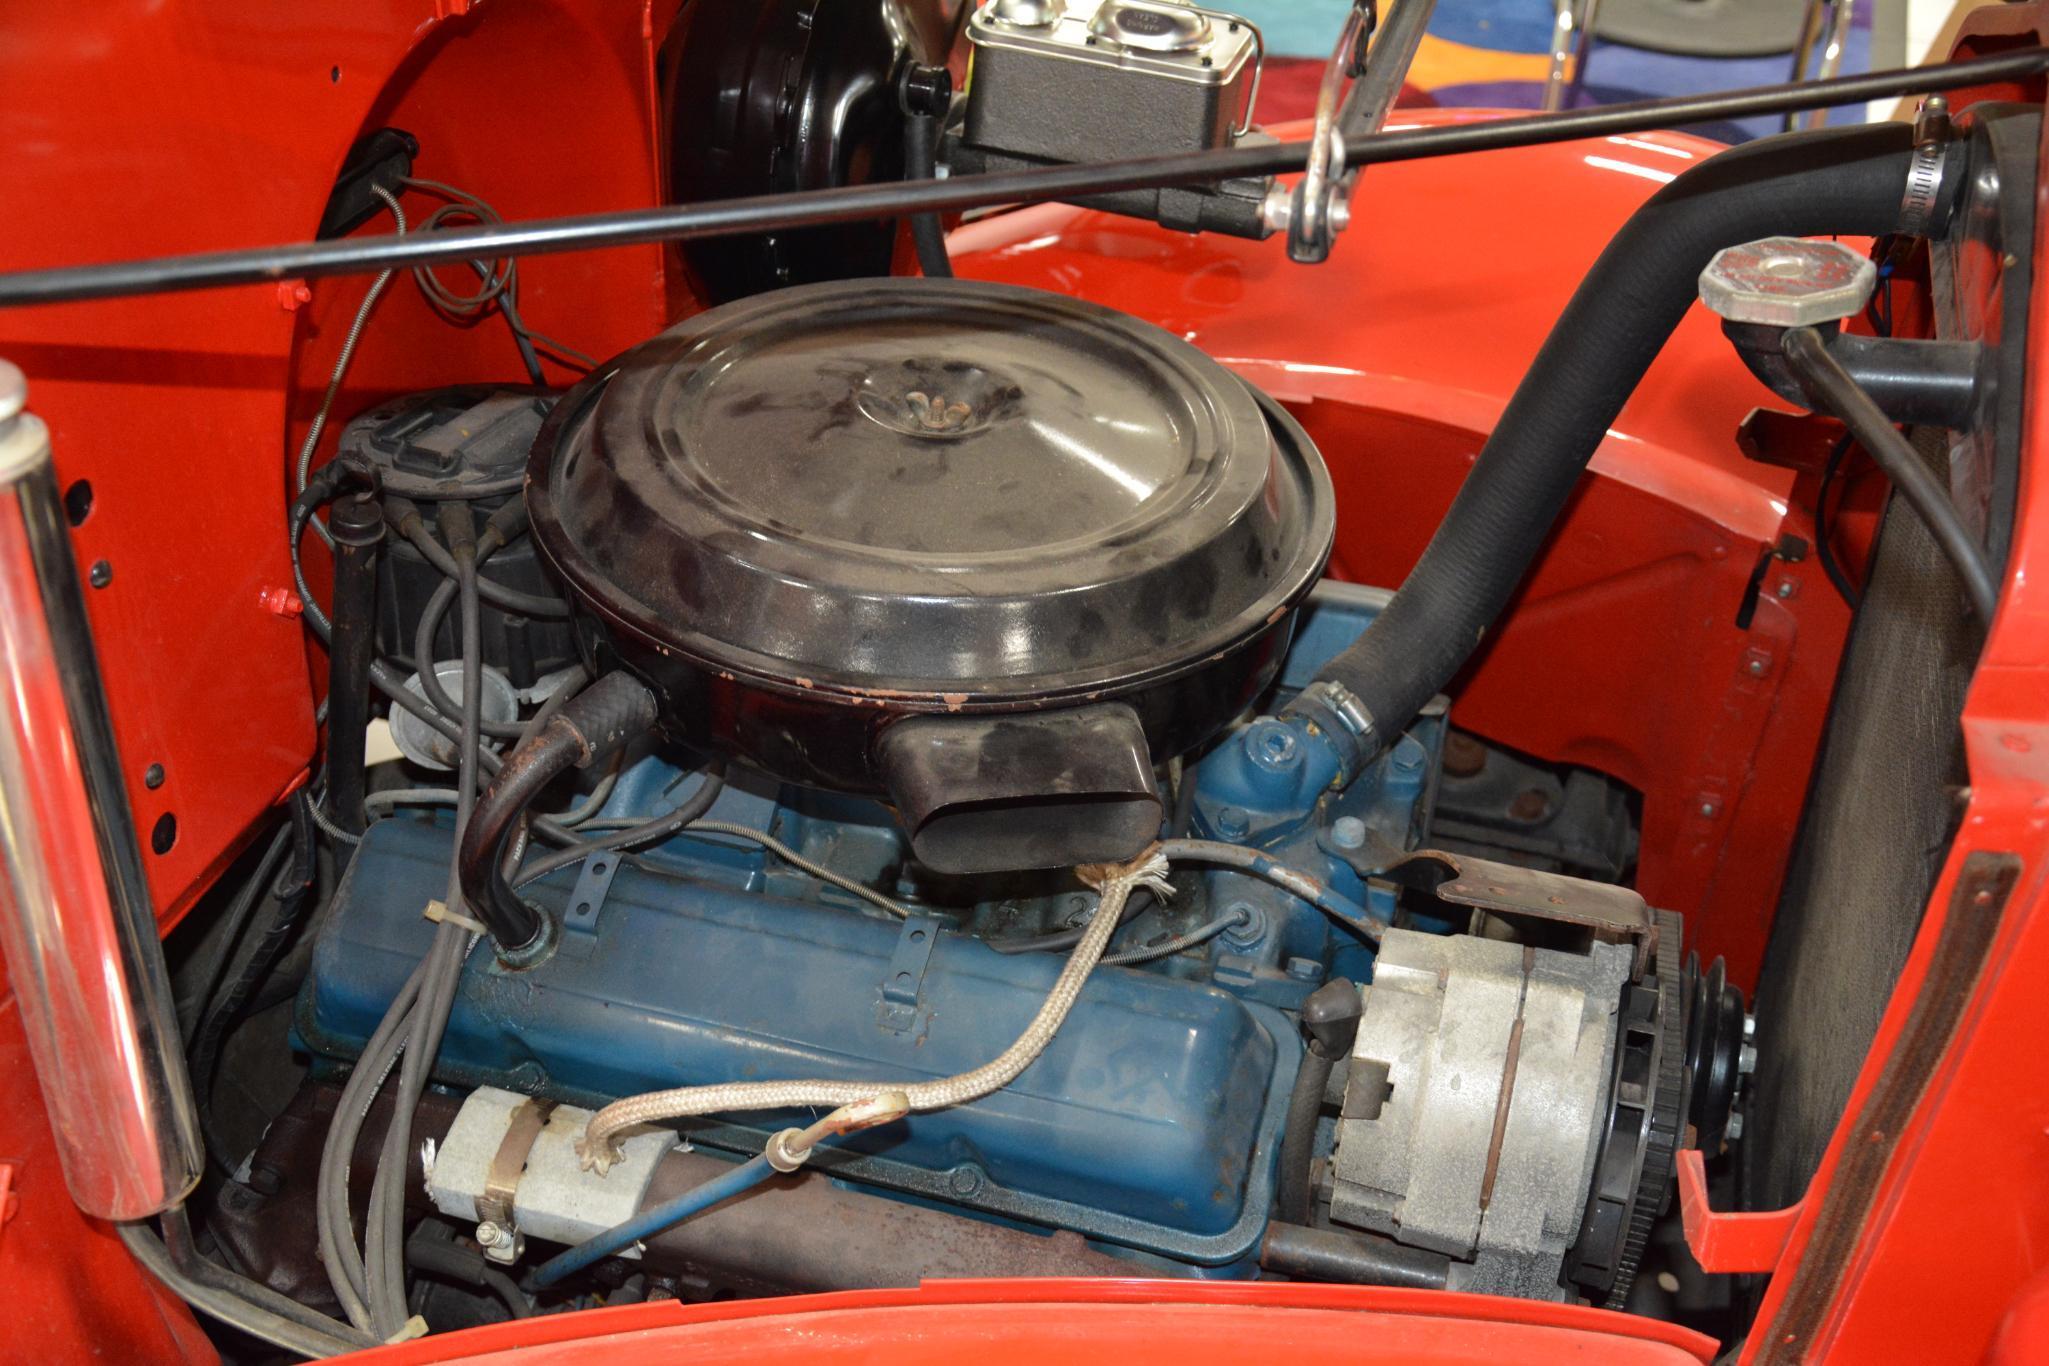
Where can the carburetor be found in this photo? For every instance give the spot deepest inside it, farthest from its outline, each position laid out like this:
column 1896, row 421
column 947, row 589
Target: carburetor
column 1085, row 80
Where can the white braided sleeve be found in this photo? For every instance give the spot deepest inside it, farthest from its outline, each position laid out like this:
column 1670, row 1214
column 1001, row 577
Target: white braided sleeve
column 599, row 1148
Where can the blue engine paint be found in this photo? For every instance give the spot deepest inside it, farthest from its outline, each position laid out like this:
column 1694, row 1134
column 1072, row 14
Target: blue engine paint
column 1153, row 1121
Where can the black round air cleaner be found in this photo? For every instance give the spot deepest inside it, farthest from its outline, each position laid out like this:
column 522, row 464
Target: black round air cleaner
column 988, row 550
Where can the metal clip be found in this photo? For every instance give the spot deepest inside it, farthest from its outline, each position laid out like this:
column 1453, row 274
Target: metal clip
column 1320, row 206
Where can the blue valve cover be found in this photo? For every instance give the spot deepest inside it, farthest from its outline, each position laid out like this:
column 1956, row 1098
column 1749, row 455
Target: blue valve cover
column 1152, row 1120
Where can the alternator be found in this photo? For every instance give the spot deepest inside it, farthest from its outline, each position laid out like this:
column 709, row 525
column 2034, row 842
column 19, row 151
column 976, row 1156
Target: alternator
column 1514, row 1107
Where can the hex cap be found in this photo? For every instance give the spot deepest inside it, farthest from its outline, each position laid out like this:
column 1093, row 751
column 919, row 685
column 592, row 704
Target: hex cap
column 1787, row 282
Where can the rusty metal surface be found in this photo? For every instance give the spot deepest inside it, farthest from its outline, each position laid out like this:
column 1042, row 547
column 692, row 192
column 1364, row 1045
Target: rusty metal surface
column 1607, row 913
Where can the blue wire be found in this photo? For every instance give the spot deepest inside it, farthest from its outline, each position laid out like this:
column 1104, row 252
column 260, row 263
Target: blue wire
column 648, row 1223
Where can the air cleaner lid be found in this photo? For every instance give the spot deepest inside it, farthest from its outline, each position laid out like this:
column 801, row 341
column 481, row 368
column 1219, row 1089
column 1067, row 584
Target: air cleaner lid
column 932, row 487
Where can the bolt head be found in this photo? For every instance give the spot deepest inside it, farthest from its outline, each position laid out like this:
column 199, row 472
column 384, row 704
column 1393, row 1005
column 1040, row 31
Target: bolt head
column 1746, row 1059
column 1348, row 832
column 1733, row 1130
column 1787, row 282
column 1273, row 746
column 489, row 1234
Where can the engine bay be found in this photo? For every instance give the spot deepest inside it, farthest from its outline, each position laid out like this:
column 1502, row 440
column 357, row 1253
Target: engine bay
column 1023, row 744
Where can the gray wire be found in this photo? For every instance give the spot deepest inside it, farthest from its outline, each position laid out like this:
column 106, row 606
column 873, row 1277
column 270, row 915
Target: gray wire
column 330, row 829
column 1202, row 934
column 338, row 1250
column 384, row 1231
column 341, row 367
column 499, row 278
column 220, row 1294
column 575, row 816
column 251, row 893
column 638, row 832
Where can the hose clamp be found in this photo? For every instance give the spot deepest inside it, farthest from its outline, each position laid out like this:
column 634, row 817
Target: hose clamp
column 1344, row 705
column 1924, row 189
column 501, row 1182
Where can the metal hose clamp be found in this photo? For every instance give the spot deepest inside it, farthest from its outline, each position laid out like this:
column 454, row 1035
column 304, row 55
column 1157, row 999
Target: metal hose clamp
column 1923, row 190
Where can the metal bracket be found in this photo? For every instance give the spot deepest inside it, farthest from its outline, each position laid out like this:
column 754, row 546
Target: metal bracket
column 587, row 898
column 1728, row 1243
column 1603, row 912
column 899, row 1010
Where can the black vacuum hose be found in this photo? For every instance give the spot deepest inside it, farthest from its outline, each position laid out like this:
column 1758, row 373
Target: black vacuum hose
column 1848, row 180
column 590, row 728
column 1330, row 1018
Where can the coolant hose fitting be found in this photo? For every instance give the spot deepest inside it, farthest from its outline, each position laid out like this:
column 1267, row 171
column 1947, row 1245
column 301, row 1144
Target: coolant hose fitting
column 590, row 728
column 1835, row 180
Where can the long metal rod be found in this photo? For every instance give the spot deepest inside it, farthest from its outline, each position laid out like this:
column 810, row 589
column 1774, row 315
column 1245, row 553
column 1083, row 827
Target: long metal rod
column 856, row 203
column 1388, row 60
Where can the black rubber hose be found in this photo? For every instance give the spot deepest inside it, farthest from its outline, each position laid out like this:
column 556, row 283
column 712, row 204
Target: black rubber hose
column 1834, row 390
column 590, row 727
column 921, row 158
column 1298, row 1139
column 357, row 524
column 1833, row 180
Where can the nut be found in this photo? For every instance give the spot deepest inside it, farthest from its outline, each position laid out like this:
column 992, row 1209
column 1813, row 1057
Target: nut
column 1787, row 282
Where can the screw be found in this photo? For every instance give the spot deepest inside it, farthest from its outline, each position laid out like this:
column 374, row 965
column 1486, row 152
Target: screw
column 1710, row 808
column 1787, row 588
column 489, row 1234
column 1755, row 666
column 1348, row 832
column 153, row 776
column 965, row 1181
column 101, row 574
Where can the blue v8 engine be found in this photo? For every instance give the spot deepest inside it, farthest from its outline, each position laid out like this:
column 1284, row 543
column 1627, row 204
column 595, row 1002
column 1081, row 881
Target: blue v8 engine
column 970, row 853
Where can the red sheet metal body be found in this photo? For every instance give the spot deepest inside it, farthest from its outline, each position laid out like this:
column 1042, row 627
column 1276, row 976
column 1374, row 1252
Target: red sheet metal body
column 142, row 129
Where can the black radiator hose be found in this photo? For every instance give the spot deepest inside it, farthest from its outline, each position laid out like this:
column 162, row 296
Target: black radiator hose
column 590, row 728
column 1847, row 181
